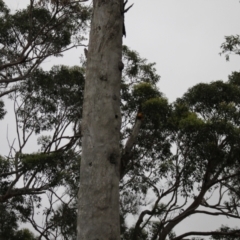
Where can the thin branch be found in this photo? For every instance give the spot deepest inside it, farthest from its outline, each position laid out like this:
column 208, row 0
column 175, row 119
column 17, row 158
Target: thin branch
column 234, row 233
column 217, row 214
column 9, row 91
column 126, row 156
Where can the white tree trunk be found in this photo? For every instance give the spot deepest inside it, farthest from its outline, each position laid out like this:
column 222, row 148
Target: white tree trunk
column 98, row 210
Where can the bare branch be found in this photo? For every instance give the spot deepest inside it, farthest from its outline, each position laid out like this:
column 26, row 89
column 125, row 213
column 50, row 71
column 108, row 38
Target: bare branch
column 234, row 233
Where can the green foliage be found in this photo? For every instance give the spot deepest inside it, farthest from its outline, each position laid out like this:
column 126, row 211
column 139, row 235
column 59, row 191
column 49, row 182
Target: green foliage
column 136, row 66
column 31, row 35
column 50, row 165
column 137, row 71
column 30, row 23
column 139, row 93
column 129, row 233
column 2, row 111
column 182, row 149
column 202, row 129
column 234, row 78
column 144, row 91
column 156, row 111
column 46, row 101
column 8, row 222
column 51, row 98
column 206, row 121
column 231, row 45
column 65, row 219
column 24, row 234
column 213, row 99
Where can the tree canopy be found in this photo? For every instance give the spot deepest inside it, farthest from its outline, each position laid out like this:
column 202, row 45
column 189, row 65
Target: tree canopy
column 177, row 159
column 29, row 36
column 186, row 150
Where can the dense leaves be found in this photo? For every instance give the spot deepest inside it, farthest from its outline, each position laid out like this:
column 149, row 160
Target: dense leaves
column 51, row 98
column 8, row 222
column 175, row 156
column 231, row 46
column 2, row 110
column 203, row 132
column 47, row 101
column 31, row 35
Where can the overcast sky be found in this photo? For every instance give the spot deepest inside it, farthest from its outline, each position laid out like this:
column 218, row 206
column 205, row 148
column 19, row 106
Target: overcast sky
column 183, row 37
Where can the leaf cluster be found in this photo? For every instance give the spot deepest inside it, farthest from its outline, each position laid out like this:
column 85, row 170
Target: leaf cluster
column 231, row 46
column 50, row 98
column 31, row 35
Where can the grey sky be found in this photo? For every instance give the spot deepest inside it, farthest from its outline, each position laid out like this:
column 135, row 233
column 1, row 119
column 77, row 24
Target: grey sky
column 183, row 37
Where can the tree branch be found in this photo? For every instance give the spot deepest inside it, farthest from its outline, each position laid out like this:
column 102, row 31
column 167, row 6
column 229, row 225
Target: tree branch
column 234, row 233
column 127, row 152
column 22, row 191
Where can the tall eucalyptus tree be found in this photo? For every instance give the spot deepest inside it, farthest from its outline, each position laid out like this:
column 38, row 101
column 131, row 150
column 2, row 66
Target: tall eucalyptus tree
column 98, row 211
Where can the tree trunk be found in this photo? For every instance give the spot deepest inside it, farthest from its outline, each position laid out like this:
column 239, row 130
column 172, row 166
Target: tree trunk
column 98, row 210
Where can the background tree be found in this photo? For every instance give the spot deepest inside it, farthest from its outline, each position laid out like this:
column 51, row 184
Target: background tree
column 30, row 36
column 227, row 233
column 179, row 154
column 9, row 223
column 204, row 131
column 231, row 46
column 43, row 103
column 47, row 101
column 202, row 128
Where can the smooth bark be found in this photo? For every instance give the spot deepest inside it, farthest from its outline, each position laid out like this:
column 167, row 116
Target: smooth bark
column 98, row 211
